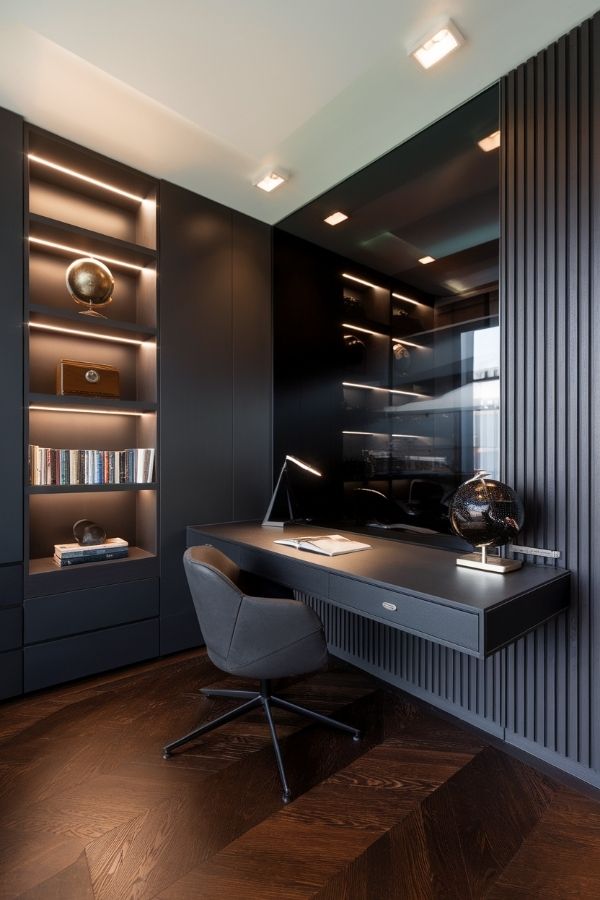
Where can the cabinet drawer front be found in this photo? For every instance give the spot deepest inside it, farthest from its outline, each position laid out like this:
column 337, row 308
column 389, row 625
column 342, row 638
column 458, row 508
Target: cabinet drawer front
column 11, row 674
column 11, row 585
column 85, row 654
column 453, row 627
column 60, row 615
column 11, row 628
column 286, row 571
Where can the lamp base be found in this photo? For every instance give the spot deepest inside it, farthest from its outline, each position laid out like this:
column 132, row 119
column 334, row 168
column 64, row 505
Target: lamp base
column 481, row 561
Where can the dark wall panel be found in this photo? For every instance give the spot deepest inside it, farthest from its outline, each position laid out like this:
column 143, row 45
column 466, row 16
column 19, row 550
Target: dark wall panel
column 215, row 382
column 11, row 336
column 252, row 367
column 551, row 315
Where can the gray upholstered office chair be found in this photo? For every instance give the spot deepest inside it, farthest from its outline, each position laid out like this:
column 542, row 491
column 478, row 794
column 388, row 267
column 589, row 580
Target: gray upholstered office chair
column 255, row 637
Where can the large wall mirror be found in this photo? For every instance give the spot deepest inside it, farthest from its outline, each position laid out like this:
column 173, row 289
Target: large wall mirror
column 387, row 345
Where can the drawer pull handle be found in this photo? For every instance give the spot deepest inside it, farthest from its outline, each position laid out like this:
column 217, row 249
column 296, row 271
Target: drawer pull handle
column 391, row 606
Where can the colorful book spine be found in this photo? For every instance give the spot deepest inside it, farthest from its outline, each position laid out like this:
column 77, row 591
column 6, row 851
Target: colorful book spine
column 49, row 466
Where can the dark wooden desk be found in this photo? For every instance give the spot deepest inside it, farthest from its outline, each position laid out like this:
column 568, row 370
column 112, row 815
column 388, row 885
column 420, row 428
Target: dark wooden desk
column 406, row 586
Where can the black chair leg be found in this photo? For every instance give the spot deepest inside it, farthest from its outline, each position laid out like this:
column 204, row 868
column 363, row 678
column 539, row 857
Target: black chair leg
column 235, row 695
column 286, row 796
column 317, row 717
column 210, row 726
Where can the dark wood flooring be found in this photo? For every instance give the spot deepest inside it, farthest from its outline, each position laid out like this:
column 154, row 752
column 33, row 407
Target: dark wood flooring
column 418, row 809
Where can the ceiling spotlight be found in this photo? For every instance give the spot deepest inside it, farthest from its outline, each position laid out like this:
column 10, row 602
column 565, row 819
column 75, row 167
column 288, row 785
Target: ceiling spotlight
column 270, row 181
column 335, row 218
column 435, row 46
column 491, row 142
column 425, row 260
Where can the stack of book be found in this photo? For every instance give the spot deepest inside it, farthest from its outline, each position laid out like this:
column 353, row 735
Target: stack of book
column 75, row 554
column 50, row 466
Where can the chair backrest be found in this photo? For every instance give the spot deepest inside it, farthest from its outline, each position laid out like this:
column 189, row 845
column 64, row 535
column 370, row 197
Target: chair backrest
column 213, row 578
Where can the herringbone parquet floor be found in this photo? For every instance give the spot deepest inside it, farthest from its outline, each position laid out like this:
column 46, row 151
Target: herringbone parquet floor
column 418, row 809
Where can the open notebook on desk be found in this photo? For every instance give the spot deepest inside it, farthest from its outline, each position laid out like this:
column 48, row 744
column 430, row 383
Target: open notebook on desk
column 330, row 545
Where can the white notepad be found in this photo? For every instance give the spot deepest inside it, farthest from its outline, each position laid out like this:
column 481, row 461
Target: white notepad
column 330, row 545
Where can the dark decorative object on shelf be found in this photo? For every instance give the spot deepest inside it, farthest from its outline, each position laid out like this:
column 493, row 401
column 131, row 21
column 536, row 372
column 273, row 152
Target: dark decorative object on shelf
column 87, row 379
column 486, row 513
column 403, row 358
column 354, row 306
column 87, row 532
column 91, row 284
column 354, row 349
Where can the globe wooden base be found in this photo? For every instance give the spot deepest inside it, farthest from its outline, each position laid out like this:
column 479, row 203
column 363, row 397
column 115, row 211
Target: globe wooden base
column 481, row 561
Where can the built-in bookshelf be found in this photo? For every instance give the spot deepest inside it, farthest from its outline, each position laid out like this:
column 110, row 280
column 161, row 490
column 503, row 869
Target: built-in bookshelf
column 81, row 204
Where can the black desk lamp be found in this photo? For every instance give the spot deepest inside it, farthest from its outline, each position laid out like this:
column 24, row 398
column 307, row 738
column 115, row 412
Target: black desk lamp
column 281, row 494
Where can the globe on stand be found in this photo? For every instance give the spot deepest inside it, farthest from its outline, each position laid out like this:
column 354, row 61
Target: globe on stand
column 91, row 284
column 486, row 513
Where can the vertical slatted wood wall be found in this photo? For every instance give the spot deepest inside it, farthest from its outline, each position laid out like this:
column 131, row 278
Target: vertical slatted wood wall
column 542, row 693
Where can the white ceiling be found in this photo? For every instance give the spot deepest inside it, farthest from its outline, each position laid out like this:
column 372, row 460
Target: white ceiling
column 208, row 93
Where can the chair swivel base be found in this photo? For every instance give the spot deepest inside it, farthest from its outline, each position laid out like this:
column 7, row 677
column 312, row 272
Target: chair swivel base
column 255, row 699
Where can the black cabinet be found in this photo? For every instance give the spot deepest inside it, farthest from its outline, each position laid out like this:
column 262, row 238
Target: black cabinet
column 215, row 382
column 11, row 336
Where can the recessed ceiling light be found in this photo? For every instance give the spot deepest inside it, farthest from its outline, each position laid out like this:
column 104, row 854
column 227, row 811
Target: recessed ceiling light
column 491, row 142
column 435, row 46
column 270, row 181
column 425, row 260
column 335, row 218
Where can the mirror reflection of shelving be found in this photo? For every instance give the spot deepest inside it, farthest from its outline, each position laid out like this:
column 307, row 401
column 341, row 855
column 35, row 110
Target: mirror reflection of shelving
column 420, row 402
column 89, row 447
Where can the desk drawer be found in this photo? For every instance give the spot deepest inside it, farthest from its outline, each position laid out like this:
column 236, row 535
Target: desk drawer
column 74, row 612
column 435, row 621
column 290, row 572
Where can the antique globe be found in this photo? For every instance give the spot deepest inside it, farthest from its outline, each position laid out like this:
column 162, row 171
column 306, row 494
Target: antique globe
column 486, row 513
column 91, row 284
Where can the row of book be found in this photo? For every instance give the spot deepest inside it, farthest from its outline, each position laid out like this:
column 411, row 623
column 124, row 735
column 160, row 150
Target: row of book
column 76, row 554
column 50, row 466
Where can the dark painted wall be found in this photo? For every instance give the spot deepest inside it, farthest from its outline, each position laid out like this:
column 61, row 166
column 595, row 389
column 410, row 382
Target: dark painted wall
column 551, row 315
column 215, row 382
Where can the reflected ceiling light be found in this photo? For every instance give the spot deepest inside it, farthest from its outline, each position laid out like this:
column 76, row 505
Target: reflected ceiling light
column 270, row 180
column 491, row 142
column 417, row 437
column 303, row 465
column 370, row 387
column 79, row 252
column 436, row 46
column 367, row 433
column 336, row 218
column 363, row 330
column 408, row 344
column 74, row 174
column 408, row 299
column 358, row 280
column 425, row 260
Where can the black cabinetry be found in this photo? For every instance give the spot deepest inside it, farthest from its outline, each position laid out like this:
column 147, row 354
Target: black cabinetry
column 11, row 403
column 215, row 382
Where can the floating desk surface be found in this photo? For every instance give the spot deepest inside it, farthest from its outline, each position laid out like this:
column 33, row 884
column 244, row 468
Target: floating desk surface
column 414, row 588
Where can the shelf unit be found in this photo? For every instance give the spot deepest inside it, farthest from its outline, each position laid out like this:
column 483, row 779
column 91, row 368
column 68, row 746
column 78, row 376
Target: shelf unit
column 374, row 381
column 81, row 204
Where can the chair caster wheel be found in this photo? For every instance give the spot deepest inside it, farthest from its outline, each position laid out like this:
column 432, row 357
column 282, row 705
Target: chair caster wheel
column 286, row 796
column 357, row 737
column 167, row 754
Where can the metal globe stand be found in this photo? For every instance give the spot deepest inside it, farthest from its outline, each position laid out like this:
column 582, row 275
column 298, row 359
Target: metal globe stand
column 480, row 561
